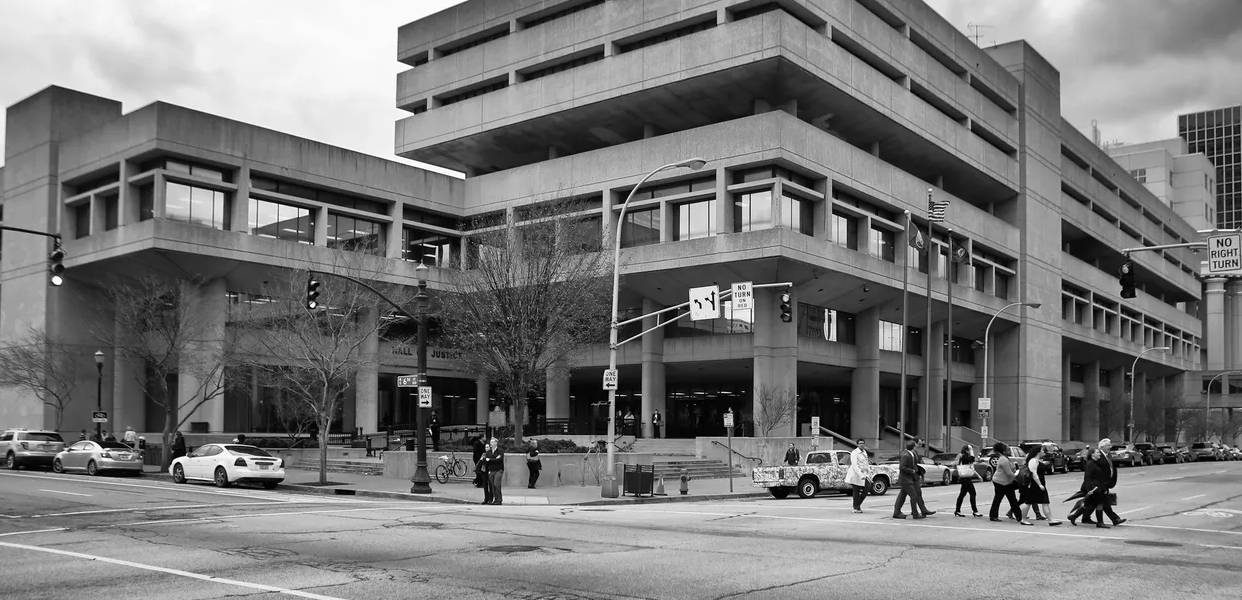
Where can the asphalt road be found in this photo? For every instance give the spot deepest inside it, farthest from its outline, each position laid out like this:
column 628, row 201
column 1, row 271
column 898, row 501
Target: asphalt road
column 72, row 536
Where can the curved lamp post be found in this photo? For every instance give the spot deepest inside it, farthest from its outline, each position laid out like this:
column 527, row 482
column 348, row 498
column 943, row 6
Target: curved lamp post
column 986, row 347
column 1207, row 411
column 1133, row 366
column 609, row 488
column 99, row 362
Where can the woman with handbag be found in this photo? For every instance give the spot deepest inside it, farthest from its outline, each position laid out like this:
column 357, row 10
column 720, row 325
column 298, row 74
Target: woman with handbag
column 966, row 476
column 859, row 473
column 1035, row 486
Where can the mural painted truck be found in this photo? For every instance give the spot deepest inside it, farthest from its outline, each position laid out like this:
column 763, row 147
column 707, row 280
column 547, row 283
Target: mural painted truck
column 822, row 470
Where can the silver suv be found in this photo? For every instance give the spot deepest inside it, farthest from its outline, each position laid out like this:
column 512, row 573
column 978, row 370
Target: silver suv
column 23, row 447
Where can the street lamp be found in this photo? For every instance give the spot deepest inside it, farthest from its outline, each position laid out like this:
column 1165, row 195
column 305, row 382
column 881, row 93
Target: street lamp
column 1207, row 411
column 1133, row 366
column 986, row 332
column 99, row 360
column 421, row 479
column 609, row 487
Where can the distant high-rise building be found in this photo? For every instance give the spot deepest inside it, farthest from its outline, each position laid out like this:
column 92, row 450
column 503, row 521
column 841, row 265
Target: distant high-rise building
column 1218, row 134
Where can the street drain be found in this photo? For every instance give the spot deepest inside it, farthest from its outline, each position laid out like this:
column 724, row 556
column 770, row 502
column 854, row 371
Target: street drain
column 513, row 549
column 1153, row 543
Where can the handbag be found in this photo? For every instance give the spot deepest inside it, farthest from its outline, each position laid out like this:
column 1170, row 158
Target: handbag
column 966, row 471
column 1110, row 499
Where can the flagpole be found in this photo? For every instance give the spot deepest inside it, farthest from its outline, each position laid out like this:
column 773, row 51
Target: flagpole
column 905, row 339
column 947, row 401
column 927, row 359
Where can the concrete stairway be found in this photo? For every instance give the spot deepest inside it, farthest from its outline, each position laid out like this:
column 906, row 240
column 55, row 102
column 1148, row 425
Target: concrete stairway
column 697, row 468
column 665, row 447
column 362, row 466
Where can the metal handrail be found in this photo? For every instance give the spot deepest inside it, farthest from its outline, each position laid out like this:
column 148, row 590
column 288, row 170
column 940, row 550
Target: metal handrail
column 738, row 453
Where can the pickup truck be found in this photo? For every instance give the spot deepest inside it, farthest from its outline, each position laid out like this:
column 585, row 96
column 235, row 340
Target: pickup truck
column 821, row 470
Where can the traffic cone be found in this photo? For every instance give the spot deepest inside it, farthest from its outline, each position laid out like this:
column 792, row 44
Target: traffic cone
column 659, row 491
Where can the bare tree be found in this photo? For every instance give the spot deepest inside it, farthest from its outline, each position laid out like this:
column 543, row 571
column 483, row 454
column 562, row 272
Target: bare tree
column 532, row 295
column 293, row 413
column 162, row 328
column 48, row 370
column 776, row 408
column 314, row 354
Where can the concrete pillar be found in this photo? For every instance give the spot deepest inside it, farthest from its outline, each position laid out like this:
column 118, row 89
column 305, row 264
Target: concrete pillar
column 1089, row 416
column 129, row 405
column 724, row 203
column 1138, row 404
column 127, row 199
column 874, row 149
column 366, row 380
column 762, row 106
column 776, row 353
column 1233, row 356
column 239, row 213
column 649, row 131
column 653, row 371
column 159, row 209
column 553, row 153
column 865, row 382
column 202, row 374
column 931, row 407
column 482, row 399
column 557, row 384
column 790, row 106
column 394, row 238
column 1065, row 395
column 1214, row 328
column 939, row 181
column 321, row 226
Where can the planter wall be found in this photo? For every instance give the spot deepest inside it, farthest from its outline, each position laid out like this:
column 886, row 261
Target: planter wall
column 565, row 469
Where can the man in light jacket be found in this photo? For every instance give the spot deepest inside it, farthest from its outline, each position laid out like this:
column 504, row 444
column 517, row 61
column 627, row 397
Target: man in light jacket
column 1002, row 482
column 858, row 473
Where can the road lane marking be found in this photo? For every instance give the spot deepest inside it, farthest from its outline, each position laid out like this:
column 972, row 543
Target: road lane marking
column 1133, row 510
column 244, row 493
column 153, row 508
column 1193, row 497
column 64, row 492
column 258, row 515
column 53, row 530
column 177, row 572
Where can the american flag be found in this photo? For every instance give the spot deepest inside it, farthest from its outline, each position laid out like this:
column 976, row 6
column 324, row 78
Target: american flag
column 936, row 209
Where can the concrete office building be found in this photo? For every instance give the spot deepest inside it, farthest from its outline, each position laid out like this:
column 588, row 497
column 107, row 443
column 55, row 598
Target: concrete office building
column 1217, row 133
column 1182, row 180
column 168, row 189
column 822, row 121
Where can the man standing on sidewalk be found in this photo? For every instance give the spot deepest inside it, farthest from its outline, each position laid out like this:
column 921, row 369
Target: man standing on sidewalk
column 494, row 462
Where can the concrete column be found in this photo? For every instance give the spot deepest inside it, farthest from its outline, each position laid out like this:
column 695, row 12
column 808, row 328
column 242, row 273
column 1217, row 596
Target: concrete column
column 791, row 106
column 776, row 352
column 762, row 106
column 240, row 211
column 1090, row 410
column 874, row 149
column 653, row 371
column 865, row 382
column 482, row 399
column 394, row 242
column 557, row 383
column 129, row 405
column 1065, row 395
column 97, row 214
column 201, row 374
column 976, row 392
column 553, row 153
column 366, row 380
column 931, row 407
column 609, row 217
column 1214, row 328
column 649, row 131
column 127, row 199
column 160, row 209
column 724, row 203
column 1233, row 355
column 1119, row 379
column 1138, row 402
column 321, row 226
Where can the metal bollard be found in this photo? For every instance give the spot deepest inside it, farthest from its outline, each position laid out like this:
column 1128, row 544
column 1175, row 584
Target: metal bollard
column 685, row 482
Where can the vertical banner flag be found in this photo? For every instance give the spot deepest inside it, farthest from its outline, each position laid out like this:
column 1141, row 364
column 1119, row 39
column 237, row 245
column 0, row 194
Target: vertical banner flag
column 917, row 241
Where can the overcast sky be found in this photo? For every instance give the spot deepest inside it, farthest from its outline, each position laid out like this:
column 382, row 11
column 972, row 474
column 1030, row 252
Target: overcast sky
column 326, row 70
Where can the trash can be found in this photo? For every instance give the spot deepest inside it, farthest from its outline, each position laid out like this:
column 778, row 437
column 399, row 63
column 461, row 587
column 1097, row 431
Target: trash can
column 411, row 444
column 639, row 480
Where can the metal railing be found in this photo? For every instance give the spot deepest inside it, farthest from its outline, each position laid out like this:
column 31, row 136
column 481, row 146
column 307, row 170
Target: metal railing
column 739, row 454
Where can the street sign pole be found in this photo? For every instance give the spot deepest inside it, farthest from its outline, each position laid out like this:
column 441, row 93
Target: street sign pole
column 728, row 422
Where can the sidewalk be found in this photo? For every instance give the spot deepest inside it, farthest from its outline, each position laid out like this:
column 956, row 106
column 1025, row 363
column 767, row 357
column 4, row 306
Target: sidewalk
column 463, row 492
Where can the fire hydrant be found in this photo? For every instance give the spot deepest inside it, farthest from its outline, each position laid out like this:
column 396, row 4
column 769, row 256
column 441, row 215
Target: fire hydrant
column 685, row 482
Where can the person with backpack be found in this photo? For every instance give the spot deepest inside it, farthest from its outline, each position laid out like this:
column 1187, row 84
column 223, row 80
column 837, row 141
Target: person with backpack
column 1032, row 480
column 792, row 456
column 1002, row 482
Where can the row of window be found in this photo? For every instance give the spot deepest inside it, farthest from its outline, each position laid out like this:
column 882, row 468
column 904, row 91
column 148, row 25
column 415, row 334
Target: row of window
column 752, row 211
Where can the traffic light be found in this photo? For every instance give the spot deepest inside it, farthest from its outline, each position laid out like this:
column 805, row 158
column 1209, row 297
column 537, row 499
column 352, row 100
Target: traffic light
column 312, row 293
column 786, row 309
column 55, row 266
column 1127, row 279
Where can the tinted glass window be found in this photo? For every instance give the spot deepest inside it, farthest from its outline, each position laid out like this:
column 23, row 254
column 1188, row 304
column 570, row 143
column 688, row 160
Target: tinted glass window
column 6, row 436
column 115, row 445
column 248, row 451
column 42, row 436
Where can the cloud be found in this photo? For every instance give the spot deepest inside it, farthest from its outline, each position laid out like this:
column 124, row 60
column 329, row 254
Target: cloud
column 318, row 69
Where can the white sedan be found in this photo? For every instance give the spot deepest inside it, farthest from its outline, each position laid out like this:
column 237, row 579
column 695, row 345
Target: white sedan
column 226, row 464
column 933, row 472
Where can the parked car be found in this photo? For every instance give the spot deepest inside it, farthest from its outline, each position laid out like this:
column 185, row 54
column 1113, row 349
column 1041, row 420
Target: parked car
column 933, row 471
column 821, row 470
column 1054, row 457
column 949, row 459
column 96, row 457
column 984, row 465
column 1222, row 452
column 1125, row 454
column 1235, row 452
column 226, row 464
column 24, row 448
column 1203, row 451
column 1075, row 455
column 1151, row 456
column 1170, row 454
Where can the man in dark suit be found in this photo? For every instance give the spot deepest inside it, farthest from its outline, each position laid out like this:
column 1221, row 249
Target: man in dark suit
column 1104, row 478
column 907, row 478
column 919, row 445
column 477, row 448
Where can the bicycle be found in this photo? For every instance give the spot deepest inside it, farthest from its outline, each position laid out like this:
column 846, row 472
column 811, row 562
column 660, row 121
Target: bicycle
column 450, row 466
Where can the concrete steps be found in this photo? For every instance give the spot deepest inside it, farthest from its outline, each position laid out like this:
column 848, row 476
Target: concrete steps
column 697, row 468
column 369, row 466
column 665, row 447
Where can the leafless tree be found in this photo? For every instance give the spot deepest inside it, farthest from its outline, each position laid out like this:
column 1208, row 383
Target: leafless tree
column 314, row 355
column 532, row 295
column 293, row 413
column 776, row 408
column 48, row 370
column 165, row 332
